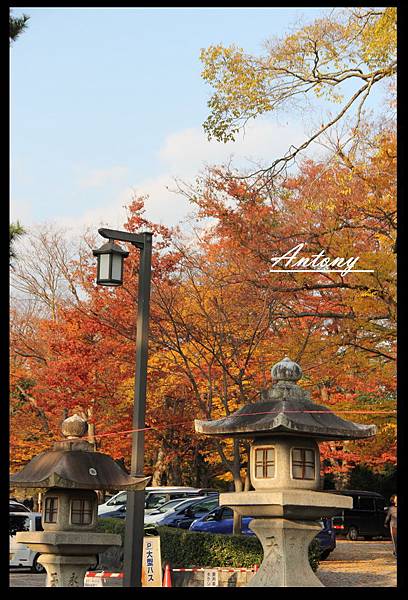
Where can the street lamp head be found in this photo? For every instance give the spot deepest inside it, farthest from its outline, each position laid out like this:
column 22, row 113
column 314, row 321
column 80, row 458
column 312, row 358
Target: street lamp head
column 110, row 264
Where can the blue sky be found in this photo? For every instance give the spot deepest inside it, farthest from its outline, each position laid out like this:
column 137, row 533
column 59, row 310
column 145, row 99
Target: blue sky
column 110, row 102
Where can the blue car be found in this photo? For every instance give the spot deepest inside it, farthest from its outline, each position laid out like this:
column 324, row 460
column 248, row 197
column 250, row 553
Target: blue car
column 220, row 520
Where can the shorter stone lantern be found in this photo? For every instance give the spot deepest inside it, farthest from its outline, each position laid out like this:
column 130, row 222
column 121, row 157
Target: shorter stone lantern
column 286, row 503
column 71, row 472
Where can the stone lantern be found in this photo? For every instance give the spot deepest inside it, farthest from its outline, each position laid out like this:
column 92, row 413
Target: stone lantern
column 71, row 472
column 286, row 503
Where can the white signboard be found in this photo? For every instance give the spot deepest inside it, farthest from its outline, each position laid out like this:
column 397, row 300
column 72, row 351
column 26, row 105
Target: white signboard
column 210, row 578
column 93, row 581
column 151, row 565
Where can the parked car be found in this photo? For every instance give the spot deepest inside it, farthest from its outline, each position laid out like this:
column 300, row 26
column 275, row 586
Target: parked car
column 15, row 506
column 184, row 514
column 165, row 509
column 365, row 519
column 154, row 497
column 20, row 554
column 178, row 512
column 118, row 512
column 220, row 520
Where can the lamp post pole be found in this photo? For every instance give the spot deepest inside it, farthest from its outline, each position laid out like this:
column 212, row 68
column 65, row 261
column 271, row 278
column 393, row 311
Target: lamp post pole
column 134, row 525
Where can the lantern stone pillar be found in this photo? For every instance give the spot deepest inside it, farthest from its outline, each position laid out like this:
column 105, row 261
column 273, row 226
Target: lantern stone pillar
column 285, row 544
column 70, row 473
column 287, row 503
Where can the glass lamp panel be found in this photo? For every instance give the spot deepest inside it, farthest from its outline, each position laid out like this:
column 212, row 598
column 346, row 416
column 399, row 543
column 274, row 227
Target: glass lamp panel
column 116, row 267
column 104, row 266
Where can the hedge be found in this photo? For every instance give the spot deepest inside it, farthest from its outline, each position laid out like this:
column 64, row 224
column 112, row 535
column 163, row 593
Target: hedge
column 182, row 548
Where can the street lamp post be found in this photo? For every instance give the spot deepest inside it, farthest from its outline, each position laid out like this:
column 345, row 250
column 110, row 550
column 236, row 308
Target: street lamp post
column 110, row 270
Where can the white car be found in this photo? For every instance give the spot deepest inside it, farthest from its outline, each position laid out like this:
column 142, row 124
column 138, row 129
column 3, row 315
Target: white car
column 165, row 509
column 15, row 506
column 155, row 497
column 20, row 554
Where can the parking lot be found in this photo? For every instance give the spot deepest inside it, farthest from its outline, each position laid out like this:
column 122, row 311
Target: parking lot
column 359, row 564
column 352, row 564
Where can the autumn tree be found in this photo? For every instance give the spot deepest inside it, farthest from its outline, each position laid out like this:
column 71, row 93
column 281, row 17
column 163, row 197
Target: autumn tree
column 340, row 58
column 42, row 272
column 342, row 328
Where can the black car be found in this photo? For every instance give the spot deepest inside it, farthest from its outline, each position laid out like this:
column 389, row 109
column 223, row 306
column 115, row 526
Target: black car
column 365, row 519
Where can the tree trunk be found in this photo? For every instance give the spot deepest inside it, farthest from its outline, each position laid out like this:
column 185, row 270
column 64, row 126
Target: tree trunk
column 159, row 468
column 175, row 476
column 201, row 474
column 91, row 427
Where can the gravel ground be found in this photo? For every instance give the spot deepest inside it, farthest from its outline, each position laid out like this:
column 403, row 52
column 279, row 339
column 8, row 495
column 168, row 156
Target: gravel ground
column 351, row 564
column 359, row 564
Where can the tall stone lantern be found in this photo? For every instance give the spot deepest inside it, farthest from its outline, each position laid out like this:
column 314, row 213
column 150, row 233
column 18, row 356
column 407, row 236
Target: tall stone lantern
column 71, row 472
column 287, row 502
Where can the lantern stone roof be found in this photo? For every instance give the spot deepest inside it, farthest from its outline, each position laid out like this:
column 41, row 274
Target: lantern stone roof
column 73, row 464
column 285, row 409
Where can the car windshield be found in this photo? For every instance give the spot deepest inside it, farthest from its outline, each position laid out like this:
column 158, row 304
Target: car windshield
column 18, row 523
column 170, row 505
column 187, row 503
column 17, row 507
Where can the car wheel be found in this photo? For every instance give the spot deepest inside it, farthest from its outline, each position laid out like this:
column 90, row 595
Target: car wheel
column 352, row 533
column 37, row 567
column 325, row 554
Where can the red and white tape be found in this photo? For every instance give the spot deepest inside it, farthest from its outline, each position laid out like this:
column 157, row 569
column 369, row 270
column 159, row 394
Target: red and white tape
column 220, row 569
column 103, row 574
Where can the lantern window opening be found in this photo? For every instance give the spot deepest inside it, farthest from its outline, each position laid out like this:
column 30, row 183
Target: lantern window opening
column 51, row 509
column 265, row 463
column 303, row 463
column 81, row 511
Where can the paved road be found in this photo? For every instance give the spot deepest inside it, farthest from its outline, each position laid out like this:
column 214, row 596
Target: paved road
column 22, row 577
column 352, row 564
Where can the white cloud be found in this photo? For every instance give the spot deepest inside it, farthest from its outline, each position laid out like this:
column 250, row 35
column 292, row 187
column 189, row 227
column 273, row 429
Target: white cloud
column 182, row 155
column 263, row 141
column 100, row 177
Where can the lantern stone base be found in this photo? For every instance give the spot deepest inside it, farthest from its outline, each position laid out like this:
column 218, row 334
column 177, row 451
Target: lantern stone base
column 66, row 571
column 285, row 544
column 285, row 521
column 67, row 555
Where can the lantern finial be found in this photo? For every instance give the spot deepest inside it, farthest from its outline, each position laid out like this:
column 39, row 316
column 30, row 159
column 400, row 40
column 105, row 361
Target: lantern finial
column 286, row 370
column 74, row 427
